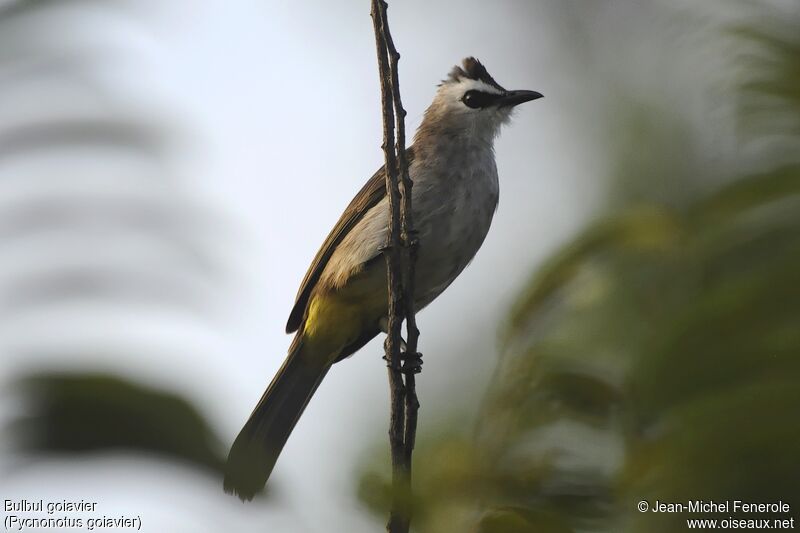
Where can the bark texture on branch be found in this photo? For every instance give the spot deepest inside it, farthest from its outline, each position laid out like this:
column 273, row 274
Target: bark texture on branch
column 400, row 253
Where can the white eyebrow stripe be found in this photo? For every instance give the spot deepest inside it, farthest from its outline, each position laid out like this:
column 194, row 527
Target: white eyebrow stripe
column 478, row 85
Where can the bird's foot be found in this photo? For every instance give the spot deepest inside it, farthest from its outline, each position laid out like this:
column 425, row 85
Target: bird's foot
column 402, row 351
column 409, row 363
column 412, row 362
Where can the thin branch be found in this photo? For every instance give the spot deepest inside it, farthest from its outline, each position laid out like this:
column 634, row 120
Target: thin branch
column 400, row 252
column 408, row 252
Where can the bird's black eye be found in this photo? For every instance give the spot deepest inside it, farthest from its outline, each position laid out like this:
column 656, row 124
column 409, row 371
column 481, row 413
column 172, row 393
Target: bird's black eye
column 477, row 99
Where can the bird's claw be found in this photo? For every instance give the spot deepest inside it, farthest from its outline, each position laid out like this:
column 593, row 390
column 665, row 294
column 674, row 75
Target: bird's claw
column 412, row 363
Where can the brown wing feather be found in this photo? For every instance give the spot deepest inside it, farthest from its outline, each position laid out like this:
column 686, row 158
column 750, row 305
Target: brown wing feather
column 369, row 196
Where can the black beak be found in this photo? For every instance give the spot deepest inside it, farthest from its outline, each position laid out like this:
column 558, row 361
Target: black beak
column 512, row 98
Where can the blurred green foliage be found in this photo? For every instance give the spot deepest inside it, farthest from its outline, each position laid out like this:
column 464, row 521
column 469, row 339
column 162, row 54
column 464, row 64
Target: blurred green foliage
column 68, row 414
column 93, row 413
column 657, row 355
column 773, row 52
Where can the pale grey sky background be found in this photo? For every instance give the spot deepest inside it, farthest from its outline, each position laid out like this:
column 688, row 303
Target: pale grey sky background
column 268, row 118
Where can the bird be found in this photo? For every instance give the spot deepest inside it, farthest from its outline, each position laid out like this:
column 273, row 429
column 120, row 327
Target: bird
column 342, row 302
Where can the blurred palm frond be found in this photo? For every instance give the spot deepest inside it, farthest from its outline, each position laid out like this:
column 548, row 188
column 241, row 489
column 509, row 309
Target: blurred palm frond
column 96, row 413
column 770, row 72
column 94, row 220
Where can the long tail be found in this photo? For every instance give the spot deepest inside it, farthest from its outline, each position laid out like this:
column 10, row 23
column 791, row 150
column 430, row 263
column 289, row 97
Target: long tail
column 256, row 449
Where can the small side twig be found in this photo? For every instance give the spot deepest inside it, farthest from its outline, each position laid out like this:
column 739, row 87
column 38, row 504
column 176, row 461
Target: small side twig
column 400, row 253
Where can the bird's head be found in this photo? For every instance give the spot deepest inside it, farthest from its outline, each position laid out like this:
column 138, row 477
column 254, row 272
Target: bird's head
column 470, row 100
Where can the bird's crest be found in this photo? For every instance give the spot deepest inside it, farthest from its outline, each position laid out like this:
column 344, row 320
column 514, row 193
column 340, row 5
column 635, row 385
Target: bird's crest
column 472, row 69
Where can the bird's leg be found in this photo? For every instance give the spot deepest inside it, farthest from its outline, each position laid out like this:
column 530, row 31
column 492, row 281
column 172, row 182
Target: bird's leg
column 411, row 363
column 402, row 346
column 383, row 324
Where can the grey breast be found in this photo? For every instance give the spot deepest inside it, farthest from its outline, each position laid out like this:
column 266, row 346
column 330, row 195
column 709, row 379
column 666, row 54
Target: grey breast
column 454, row 202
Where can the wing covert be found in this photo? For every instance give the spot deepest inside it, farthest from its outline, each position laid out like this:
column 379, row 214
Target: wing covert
column 369, row 196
